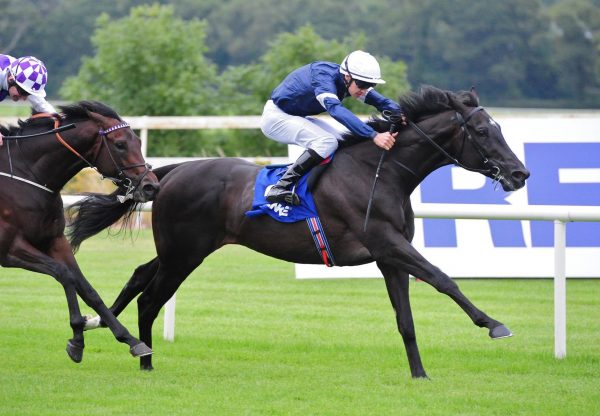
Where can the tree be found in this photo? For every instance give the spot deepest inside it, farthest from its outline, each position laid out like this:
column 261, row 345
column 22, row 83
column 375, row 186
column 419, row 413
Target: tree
column 18, row 19
column 576, row 41
column 489, row 44
column 149, row 63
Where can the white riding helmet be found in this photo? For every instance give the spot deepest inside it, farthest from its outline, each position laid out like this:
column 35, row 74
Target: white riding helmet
column 363, row 66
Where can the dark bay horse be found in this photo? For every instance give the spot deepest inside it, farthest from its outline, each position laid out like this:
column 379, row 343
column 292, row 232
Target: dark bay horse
column 33, row 170
column 201, row 207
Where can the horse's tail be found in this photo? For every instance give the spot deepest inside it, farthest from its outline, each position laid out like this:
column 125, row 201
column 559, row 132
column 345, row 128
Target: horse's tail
column 97, row 212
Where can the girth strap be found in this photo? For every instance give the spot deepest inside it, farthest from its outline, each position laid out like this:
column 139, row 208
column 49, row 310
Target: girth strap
column 318, row 234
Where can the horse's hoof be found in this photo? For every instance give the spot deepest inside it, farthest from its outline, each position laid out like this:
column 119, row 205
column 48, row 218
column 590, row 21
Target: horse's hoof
column 140, row 350
column 500, row 332
column 75, row 352
column 146, row 367
column 91, row 322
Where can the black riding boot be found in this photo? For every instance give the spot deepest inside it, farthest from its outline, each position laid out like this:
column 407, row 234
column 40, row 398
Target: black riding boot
column 283, row 190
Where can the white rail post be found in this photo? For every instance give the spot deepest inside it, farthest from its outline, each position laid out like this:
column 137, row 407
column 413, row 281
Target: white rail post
column 560, row 296
column 169, row 323
column 144, row 136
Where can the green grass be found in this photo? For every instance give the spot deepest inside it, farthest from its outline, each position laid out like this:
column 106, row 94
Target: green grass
column 252, row 340
column 11, row 109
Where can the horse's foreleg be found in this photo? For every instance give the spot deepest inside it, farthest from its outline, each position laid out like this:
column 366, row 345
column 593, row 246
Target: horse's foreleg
column 24, row 255
column 139, row 280
column 397, row 286
column 411, row 261
column 61, row 251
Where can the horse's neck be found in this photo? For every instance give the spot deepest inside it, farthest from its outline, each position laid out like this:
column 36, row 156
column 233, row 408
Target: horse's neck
column 416, row 157
column 407, row 164
column 46, row 160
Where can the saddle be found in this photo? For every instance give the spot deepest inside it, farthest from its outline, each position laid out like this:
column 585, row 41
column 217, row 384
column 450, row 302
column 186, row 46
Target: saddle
column 306, row 211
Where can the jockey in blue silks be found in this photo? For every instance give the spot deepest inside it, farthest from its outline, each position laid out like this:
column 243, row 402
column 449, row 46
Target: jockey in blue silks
column 314, row 89
column 24, row 79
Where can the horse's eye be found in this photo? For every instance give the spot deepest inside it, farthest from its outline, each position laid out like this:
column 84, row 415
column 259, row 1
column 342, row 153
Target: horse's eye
column 121, row 145
column 483, row 131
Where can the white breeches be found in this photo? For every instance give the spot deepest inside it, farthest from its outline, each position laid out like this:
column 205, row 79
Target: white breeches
column 307, row 132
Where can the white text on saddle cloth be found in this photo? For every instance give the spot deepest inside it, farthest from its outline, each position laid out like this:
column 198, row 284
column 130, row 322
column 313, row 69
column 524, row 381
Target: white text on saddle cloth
column 280, row 210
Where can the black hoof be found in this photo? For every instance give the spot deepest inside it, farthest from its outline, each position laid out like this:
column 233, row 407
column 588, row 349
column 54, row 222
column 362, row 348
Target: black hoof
column 75, row 352
column 500, row 332
column 146, row 367
column 140, row 350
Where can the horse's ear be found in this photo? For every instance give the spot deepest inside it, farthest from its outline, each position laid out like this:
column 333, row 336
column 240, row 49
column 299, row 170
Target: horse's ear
column 474, row 94
column 98, row 118
column 455, row 102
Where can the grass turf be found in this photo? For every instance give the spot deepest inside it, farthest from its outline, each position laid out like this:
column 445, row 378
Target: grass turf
column 252, row 340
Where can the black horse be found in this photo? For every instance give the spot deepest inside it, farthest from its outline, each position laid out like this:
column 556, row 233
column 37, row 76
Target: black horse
column 201, row 207
column 33, row 170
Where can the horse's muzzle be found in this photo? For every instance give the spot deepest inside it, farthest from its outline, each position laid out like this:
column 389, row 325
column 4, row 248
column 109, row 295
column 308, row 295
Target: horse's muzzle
column 516, row 179
column 146, row 192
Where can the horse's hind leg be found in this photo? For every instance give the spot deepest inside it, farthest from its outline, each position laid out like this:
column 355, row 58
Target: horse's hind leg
column 139, row 280
column 155, row 295
column 137, row 283
column 397, row 285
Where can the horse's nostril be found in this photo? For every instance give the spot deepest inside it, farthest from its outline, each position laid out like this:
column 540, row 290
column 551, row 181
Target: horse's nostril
column 150, row 190
column 520, row 175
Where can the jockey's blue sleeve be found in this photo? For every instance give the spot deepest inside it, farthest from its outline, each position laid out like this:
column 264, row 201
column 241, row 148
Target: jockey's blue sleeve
column 381, row 102
column 340, row 113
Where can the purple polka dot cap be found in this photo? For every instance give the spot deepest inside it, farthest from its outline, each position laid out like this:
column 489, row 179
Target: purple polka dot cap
column 30, row 74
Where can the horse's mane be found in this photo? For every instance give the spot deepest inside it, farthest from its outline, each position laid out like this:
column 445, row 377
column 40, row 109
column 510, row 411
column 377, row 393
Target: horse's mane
column 79, row 110
column 428, row 101
column 71, row 112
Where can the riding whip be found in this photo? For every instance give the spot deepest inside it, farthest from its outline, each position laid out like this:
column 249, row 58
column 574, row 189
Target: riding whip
column 56, row 130
column 394, row 119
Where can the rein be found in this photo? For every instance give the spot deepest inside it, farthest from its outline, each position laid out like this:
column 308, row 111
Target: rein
column 394, row 119
column 122, row 180
column 56, row 130
column 463, row 124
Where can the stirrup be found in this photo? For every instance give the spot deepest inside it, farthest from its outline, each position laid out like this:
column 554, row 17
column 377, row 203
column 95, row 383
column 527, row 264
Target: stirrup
column 282, row 196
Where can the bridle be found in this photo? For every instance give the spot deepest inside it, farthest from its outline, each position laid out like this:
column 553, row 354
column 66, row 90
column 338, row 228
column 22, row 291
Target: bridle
column 395, row 120
column 493, row 170
column 122, row 181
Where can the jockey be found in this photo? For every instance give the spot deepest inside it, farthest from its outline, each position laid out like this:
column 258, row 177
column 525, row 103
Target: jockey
column 313, row 89
column 24, row 79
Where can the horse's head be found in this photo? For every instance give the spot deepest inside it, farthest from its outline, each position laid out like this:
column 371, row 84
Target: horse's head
column 117, row 154
column 482, row 147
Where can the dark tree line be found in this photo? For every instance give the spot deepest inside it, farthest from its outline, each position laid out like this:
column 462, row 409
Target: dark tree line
column 516, row 52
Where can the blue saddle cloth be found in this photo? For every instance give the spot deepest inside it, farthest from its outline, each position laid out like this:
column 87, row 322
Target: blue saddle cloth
column 281, row 211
